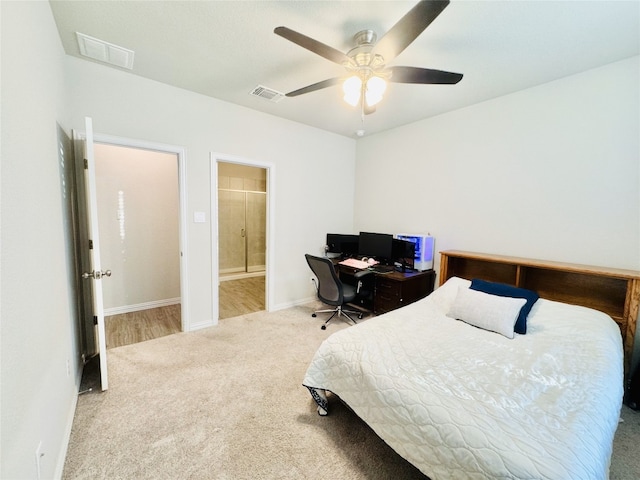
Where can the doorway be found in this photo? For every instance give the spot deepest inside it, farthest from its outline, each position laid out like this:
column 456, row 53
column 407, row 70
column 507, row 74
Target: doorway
column 242, row 215
column 242, row 238
column 138, row 202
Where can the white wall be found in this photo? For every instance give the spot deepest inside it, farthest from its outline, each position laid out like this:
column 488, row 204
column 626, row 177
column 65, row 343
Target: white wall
column 40, row 87
column 309, row 164
column 138, row 213
column 38, row 334
column 552, row 172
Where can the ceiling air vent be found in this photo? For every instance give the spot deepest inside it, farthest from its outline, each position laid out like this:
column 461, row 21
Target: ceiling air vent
column 267, row 93
column 105, row 51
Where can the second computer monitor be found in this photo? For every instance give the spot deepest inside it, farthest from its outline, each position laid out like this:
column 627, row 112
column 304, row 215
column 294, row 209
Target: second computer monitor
column 376, row 245
column 345, row 245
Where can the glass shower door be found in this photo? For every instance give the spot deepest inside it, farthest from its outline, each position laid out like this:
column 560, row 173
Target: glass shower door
column 231, row 231
column 255, row 240
column 242, row 231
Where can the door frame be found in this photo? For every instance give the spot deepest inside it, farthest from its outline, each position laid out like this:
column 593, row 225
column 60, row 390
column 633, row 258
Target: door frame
column 182, row 208
column 216, row 158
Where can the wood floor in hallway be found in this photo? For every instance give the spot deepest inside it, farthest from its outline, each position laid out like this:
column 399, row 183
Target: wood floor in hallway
column 133, row 327
column 236, row 297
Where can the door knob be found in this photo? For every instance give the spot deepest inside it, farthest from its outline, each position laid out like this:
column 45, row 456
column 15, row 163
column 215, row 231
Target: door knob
column 97, row 275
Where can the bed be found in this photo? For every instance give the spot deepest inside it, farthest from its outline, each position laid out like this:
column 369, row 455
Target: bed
column 467, row 399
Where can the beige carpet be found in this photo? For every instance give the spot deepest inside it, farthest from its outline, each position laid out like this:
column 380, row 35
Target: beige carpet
column 226, row 403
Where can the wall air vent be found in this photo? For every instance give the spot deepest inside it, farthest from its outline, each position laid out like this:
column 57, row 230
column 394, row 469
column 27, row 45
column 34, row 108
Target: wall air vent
column 267, row 93
column 105, row 51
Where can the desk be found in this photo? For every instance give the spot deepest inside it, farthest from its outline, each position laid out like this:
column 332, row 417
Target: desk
column 388, row 291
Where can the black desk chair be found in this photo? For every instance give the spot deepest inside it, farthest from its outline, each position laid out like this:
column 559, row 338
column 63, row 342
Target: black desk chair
column 332, row 291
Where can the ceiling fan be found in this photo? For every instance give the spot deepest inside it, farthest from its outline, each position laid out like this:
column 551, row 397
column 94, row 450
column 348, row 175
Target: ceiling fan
column 366, row 64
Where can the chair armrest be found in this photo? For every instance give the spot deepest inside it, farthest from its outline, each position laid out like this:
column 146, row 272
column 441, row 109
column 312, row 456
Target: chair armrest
column 359, row 275
column 362, row 273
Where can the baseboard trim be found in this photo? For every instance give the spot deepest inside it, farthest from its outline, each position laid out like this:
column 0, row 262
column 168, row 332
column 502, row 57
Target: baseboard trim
column 204, row 324
column 141, row 306
column 297, row 303
column 251, row 269
column 241, row 275
column 62, row 454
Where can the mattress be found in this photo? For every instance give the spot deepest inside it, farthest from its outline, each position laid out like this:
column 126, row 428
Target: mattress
column 459, row 402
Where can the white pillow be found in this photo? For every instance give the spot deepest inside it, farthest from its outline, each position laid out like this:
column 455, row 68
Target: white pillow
column 486, row 311
column 444, row 296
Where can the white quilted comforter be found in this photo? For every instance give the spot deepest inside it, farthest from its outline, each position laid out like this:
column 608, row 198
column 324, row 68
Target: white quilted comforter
column 460, row 402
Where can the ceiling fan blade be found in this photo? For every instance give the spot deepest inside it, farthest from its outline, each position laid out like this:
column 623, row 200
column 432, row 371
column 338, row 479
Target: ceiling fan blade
column 423, row 75
column 408, row 28
column 312, row 45
column 316, row 86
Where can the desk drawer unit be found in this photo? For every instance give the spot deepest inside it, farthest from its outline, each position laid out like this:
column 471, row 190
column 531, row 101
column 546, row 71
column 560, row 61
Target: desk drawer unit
column 388, row 291
column 395, row 291
column 388, row 295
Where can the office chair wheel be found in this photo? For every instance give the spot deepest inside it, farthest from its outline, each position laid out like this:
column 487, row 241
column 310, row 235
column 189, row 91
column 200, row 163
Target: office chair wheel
column 360, row 316
column 313, row 315
column 323, row 327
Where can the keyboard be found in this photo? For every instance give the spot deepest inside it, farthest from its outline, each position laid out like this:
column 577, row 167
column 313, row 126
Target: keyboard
column 355, row 263
column 382, row 269
column 361, row 265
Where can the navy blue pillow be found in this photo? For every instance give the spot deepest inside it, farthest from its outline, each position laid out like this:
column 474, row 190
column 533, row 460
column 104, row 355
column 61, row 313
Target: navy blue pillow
column 503, row 290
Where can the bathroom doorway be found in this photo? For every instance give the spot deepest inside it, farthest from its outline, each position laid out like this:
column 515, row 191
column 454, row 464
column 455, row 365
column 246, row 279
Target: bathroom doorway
column 242, row 238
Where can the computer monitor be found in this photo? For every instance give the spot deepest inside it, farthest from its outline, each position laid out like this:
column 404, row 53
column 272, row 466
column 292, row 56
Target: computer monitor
column 345, row 245
column 404, row 253
column 376, row 245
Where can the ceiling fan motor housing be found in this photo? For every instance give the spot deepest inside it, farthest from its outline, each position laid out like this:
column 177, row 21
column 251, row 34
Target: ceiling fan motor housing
column 367, row 60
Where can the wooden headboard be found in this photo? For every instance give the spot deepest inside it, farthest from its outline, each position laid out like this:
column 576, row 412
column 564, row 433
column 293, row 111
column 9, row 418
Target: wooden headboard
column 615, row 292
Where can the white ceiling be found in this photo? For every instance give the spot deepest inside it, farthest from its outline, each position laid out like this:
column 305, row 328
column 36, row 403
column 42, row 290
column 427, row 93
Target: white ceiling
column 223, row 49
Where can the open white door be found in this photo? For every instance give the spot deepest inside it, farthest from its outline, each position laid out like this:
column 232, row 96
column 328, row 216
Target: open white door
column 96, row 274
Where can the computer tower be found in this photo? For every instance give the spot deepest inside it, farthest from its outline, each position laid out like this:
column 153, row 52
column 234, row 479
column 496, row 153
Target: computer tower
column 425, row 245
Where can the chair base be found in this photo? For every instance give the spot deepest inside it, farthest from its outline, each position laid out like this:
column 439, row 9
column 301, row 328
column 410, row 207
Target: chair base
column 340, row 312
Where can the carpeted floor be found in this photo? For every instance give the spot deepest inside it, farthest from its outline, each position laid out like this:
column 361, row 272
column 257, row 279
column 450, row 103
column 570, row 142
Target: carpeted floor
column 226, row 403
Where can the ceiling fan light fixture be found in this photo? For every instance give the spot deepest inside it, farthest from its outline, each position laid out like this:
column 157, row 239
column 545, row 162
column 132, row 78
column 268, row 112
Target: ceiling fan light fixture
column 367, row 61
column 376, row 87
column 352, row 88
